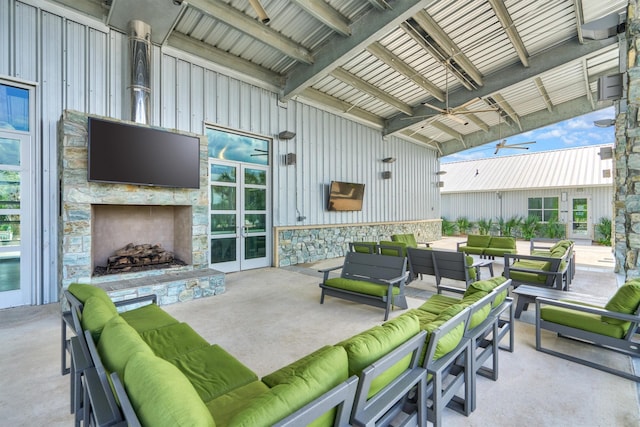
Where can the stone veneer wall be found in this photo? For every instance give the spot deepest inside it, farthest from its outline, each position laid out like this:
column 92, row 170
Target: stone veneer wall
column 77, row 196
column 627, row 152
column 298, row 245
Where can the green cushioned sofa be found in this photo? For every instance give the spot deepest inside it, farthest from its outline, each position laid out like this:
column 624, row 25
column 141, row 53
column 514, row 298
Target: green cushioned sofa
column 488, row 246
column 551, row 267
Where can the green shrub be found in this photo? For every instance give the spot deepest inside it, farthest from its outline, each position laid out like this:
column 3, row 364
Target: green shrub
column 448, row 227
column 484, row 226
column 463, row 224
column 529, row 227
column 603, row 230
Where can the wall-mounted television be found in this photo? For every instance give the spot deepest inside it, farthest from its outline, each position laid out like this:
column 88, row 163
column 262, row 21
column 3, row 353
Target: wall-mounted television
column 129, row 154
column 345, row 196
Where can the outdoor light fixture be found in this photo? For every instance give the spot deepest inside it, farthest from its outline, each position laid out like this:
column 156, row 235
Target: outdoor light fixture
column 388, row 160
column 286, row 134
column 441, row 172
column 262, row 14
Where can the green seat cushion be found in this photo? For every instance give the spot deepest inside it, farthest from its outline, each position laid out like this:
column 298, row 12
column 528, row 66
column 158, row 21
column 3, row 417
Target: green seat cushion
column 161, row 395
column 580, row 320
column 393, row 252
column 499, row 251
column 437, row 303
column 118, row 343
column 476, row 250
column 360, row 286
column 213, row 371
column 424, row 317
column 328, row 361
column 471, row 271
column 502, row 242
column 531, row 277
column 95, row 315
column 407, row 239
column 225, row 407
column 540, row 252
column 173, row 340
column 564, row 244
column 482, row 286
column 625, row 300
column 148, row 317
column 478, row 241
column 84, row 291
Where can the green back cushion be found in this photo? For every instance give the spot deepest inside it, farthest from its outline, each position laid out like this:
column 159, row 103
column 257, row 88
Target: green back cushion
column 363, row 247
column 450, row 340
column 118, row 342
column 173, row 340
column 471, row 271
column 581, row 320
column 307, row 365
column 95, row 315
column 360, row 286
column 407, row 239
column 161, row 395
column 478, row 240
column 393, row 252
column 625, row 300
column 564, row 244
column 84, row 291
column 148, row 317
column 503, row 242
column 484, row 286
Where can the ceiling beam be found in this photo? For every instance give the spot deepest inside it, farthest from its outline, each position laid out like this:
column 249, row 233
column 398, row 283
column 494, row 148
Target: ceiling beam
column 231, row 16
column 565, row 111
column 380, row 4
column 225, row 60
column 543, row 92
column 364, row 86
column 452, row 50
column 476, row 121
column 449, row 131
column 545, row 61
column 339, row 50
column 507, row 108
column 422, row 140
column 393, row 61
column 324, row 13
column 512, row 32
column 342, row 107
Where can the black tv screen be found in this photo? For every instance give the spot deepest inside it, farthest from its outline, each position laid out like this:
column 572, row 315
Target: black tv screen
column 345, row 196
column 130, row 154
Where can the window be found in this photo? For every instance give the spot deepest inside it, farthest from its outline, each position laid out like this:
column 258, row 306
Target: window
column 543, row 208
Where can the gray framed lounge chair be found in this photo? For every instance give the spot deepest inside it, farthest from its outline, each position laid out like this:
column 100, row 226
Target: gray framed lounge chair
column 453, row 265
column 613, row 327
column 363, row 247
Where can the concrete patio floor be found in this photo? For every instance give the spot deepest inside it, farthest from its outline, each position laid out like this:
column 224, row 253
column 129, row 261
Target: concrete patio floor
column 271, row 317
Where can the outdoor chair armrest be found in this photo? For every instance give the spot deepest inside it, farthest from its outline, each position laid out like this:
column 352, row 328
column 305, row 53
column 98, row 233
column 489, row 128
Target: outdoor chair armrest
column 586, row 309
column 395, row 280
column 152, row 298
column 326, row 271
column 452, row 289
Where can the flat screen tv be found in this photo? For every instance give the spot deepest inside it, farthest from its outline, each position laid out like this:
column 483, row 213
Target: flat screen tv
column 130, row 154
column 345, row 196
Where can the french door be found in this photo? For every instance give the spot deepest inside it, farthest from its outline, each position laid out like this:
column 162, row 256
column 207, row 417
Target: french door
column 15, row 278
column 580, row 224
column 239, row 216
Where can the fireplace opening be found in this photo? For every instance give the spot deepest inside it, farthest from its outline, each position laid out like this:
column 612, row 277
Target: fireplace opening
column 133, row 238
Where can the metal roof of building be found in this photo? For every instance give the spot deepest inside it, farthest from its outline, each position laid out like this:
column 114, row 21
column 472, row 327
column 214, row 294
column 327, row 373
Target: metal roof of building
column 573, row 167
column 379, row 61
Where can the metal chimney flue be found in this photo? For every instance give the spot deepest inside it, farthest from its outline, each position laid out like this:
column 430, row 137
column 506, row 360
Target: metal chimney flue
column 140, row 48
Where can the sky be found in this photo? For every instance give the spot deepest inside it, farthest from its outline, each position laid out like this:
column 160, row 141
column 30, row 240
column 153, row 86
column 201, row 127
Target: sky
column 577, row 132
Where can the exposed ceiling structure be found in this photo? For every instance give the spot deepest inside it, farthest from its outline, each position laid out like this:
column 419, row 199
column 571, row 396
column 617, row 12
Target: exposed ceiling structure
column 489, row 67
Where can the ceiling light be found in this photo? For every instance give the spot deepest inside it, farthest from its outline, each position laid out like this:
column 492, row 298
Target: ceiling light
column 389, row 160
column 605, row 123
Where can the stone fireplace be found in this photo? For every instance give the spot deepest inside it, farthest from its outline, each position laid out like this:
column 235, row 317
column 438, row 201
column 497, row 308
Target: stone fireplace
column 98, row 218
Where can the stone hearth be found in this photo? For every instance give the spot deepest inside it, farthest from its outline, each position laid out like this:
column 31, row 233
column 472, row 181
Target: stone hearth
column 96, row 218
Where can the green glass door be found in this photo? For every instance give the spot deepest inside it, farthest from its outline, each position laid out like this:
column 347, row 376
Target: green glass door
column 580, row 227
column 239, row 218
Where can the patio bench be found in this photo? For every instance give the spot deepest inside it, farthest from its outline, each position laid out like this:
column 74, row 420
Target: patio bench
column 372, row 279
column 488, row 246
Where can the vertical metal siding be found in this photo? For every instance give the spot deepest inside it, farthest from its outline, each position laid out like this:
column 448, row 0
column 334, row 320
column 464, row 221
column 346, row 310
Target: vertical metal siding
column 6, row 24
column 183, row 96
column 76, row 66
column 97, row 73
column 26, row 48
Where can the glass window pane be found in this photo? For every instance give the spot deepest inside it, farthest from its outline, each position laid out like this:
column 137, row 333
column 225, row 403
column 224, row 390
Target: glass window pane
column 255, row 223
column 222, row 173
column 550, row 214
column 9, row 230
column 255, row 176
column 255, row 199
column 255, row 247
column 223, row 250
column 14, row 108
column 238, row 148
column 223, row 198
column 10, row 273
column 9, row 189
column 536, row 214
column 535, row 203
column 223, row 223
column 9, row 152
column 551, row 203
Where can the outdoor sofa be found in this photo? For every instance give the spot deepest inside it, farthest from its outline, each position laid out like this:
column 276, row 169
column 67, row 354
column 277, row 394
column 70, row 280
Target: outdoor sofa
column 487, row 246
column 552, row 267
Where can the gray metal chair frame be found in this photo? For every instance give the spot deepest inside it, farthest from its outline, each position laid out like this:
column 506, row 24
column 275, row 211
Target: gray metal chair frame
column 454, row 367
column 555, row 277
column 383, row 270
column 370, row 247
column 341, row 397
column 420, row 262
column 389, row 402
column 451, row 265
column 629, row 345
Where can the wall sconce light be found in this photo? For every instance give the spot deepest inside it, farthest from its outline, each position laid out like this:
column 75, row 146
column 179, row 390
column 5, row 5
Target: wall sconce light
column 440, row 184
column 441, row 172
column 388, row 160
column 386, row 175
column 286, row 134
column 289, row 159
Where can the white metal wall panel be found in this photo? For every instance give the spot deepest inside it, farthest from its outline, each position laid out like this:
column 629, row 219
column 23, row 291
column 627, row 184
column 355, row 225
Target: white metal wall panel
column 119, row 100
column 75, row 66
column 97, row 73
column 182, row 95
column 26, row 45
column 197, row 99
column 6, row 24
column 168, row 92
